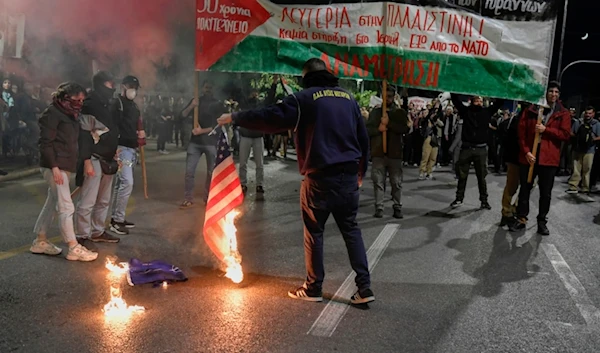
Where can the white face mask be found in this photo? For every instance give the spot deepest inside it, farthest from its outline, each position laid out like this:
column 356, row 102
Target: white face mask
column 131, row 93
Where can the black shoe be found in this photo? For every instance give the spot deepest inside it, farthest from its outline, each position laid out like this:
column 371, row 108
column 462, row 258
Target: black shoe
column 363, row 297
column 119, row 228
column 3, row 172
column 507, row 221
column 485, row 206
column 309, row 295
column 105, row 238
column 398, row 213
column 378, row 214
column 543, row 229
column 260, row 190
column 456, row 203
column 88, row 244
column 128, row 225
column 517, row 225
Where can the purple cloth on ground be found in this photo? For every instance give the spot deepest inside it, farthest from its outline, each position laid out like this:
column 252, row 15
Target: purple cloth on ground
column 154, row 272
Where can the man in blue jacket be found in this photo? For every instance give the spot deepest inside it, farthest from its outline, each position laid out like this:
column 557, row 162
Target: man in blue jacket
column 332, row 145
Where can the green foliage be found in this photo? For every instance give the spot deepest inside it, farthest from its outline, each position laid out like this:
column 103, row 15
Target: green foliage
column 363, row 98
column 264, row 81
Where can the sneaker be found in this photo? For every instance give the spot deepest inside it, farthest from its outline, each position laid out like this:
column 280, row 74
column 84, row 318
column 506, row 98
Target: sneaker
column 543, row 229
column 44, row 247
column 362, row 297
column 587, row 198
column 186, row 204
column 572, row 191
column 421, row 176
column 260, row 190
column 309, row 295
column 105, row 238
column 378, row 214
column 119, row 228
column 485, row 206
column 163, row 152
column 518, row 224
column 506, row 221
column 80, row 253
column 398, row 213
column 128, row 225
column 88, row 244
column 456, row 203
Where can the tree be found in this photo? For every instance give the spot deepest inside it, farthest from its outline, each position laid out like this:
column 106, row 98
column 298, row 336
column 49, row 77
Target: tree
column 263, row 83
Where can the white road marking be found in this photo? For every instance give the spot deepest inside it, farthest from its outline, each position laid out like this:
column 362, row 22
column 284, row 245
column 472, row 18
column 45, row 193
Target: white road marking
column 332, row 314
column 586, row 307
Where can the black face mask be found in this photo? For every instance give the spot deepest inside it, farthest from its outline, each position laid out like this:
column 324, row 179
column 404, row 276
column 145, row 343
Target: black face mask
column 105, row 92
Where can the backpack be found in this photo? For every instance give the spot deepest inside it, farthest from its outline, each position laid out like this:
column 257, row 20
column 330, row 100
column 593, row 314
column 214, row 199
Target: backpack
column 584, row 138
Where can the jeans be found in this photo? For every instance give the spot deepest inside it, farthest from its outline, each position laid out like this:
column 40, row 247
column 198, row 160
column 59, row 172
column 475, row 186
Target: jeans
column 94, row 200
column 58, row 201
column 381, row 166
column 545, row 182
column 163, row 136
column 194, row 152
column 336, row 193
column 478, row 156
column 124, row 185
column 510, row 189
column 257, row 145
column 582, row 167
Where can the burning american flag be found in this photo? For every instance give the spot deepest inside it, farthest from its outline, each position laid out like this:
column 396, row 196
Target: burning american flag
column 224, row 196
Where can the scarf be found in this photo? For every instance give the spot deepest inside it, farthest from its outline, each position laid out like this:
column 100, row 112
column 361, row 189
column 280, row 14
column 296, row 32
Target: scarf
column 68, row 106
column 322, row 78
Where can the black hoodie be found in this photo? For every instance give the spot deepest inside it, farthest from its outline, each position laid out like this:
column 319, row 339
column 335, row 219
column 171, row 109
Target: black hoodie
column 97, row 104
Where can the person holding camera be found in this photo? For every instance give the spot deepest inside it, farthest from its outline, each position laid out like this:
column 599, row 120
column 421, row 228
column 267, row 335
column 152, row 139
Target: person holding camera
column 431, row 128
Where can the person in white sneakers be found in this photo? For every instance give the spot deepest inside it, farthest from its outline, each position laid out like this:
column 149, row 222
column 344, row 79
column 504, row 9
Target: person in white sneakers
column 59, row 132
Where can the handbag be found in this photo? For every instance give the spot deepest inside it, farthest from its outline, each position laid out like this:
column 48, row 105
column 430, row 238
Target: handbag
column 108, row 167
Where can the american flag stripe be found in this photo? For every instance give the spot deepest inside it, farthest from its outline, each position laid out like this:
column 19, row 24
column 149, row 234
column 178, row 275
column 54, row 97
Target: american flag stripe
column 225, row 194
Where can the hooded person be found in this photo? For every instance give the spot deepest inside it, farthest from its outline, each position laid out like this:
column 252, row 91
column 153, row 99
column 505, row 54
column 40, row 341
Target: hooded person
column 98, row 142
column 127, row 115
column 59, row 133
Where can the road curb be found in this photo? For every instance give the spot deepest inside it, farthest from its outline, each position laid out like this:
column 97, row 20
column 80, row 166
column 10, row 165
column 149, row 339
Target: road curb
column 20, row 174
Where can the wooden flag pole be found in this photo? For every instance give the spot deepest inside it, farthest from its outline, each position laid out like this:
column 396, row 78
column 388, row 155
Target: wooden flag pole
column 144, row 178
column 384, row 112
column 196, row 96
column 536, row 143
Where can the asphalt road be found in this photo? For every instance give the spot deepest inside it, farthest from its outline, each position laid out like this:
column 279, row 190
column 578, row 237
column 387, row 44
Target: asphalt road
column 446, row 280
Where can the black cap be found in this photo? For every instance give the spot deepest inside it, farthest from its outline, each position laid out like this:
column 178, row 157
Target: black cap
column 131, row 80
column 100, row 78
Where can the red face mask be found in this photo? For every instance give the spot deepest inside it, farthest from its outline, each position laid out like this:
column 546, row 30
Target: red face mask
column 70, row 106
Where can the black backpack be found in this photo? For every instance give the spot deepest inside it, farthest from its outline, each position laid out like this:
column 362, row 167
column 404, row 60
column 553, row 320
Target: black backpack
column 584, row 138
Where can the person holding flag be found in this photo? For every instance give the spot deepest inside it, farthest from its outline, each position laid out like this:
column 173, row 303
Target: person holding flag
column 333, row 150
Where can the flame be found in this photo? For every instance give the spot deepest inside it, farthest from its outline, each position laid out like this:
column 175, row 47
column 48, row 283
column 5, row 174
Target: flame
column 164, row 285
column 117, row 307
column 233, row 261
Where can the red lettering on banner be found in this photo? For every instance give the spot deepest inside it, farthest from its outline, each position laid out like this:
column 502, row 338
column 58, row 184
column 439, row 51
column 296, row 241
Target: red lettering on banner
column 335, row 17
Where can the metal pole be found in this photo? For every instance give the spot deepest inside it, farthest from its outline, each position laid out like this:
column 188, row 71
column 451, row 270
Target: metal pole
column 575, row 63
column 562, row 41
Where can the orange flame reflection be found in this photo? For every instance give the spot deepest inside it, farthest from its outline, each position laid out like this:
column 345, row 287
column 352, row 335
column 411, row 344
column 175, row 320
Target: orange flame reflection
column 117, row 307
column 233, row 262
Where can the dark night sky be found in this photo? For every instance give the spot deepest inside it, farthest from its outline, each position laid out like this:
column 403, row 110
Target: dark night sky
column 582, row 18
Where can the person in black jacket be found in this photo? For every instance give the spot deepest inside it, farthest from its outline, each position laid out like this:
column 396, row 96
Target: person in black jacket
column 128, row 117
column 509, row 133
column 333, row 152
column 59, row 131
column 95, row 181
column 476, row 125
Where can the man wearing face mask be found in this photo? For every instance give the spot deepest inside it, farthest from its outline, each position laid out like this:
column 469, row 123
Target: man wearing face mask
column 332, row 144
column 127, row 115
column 95, row 181
column 476, row 122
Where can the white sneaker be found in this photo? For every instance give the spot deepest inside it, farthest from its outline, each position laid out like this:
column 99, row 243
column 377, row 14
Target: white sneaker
column 80, row 253
column 421, row 176
column 44, row 247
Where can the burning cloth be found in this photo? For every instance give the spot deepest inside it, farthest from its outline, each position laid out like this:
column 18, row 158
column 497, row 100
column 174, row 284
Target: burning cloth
column 155, row 272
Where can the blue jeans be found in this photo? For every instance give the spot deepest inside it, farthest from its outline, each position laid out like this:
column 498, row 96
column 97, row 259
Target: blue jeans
column 194, row 152
column 335, row 192
column 124, row 185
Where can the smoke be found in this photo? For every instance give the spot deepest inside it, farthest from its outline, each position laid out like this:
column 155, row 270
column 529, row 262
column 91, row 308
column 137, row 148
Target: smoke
column 139, row 37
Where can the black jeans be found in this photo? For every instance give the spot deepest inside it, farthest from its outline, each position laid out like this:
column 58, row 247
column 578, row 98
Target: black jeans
column 163, row 136
column 478, row 156
column 545, row 183
column 332, row 192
